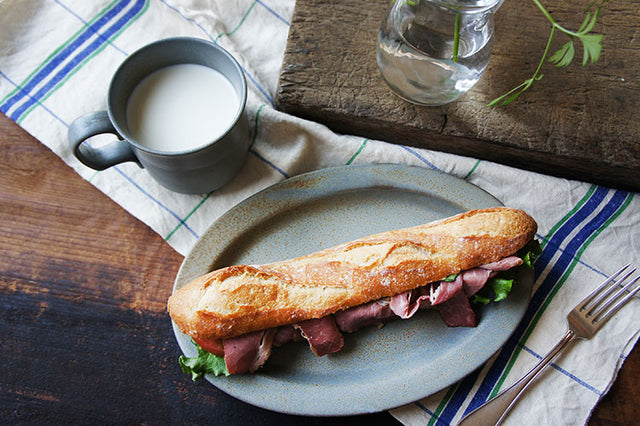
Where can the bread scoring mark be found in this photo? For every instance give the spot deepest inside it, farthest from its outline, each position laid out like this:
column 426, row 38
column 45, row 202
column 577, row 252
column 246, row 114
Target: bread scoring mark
column 237, row 294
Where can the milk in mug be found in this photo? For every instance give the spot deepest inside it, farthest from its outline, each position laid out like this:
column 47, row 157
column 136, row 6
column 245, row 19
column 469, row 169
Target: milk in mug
column 181, row 107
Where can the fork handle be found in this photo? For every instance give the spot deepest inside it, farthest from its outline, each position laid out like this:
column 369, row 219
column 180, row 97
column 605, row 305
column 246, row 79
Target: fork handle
column 494, row 411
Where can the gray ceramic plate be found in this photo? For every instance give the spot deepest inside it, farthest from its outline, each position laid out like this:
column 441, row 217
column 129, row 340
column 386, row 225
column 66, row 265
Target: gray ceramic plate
column 377, row 369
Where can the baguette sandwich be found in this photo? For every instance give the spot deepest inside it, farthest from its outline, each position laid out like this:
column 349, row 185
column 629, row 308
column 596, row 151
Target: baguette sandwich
column 237, row 314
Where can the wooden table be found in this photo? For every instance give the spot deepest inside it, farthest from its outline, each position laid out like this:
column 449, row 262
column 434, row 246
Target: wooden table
column 85, row 335
column 577, row 122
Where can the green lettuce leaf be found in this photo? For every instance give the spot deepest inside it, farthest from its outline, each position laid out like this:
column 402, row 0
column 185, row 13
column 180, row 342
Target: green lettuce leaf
column 450, row 278
column 499, row 287
column 496, row 289
column 204, row 363
column 479, row 299
column 530, row 252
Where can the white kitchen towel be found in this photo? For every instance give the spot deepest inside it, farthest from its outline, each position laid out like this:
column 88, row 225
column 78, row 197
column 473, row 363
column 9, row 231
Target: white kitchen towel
column 56, row 60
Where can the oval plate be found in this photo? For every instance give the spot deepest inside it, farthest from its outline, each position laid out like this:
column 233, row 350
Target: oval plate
column 377, row 369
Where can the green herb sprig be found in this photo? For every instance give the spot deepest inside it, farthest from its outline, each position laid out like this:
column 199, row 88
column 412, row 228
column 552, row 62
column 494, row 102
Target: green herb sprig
column 456, row 38
column 563, row 57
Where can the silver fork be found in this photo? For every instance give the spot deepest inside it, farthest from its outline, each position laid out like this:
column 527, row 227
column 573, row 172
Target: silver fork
column 584, row 322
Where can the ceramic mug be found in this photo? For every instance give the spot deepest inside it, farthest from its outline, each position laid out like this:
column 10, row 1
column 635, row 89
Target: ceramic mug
column 181, row 165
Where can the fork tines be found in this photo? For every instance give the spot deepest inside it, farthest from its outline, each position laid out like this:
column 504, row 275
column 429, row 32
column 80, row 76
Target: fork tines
column 600, row 312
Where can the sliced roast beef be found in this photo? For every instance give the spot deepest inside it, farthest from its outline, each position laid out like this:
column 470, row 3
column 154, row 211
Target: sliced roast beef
column 322, row 334
column 474, row 279
column 286, row 334
column 445, row 290
column 372, row 313
column 503, row 264
column 457, row 311
column 401, row 305
column 248, row 352
column 406, row 304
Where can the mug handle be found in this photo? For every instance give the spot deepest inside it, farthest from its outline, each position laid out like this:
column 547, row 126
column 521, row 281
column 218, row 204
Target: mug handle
column 103, row 157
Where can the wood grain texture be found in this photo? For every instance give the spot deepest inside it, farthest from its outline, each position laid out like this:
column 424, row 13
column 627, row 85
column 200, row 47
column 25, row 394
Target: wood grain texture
column 85, row 337
column 577, row 122
column 84, row 333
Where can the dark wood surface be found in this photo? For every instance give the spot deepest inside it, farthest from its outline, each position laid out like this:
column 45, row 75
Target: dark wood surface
column 577, row 122
column 85, row 336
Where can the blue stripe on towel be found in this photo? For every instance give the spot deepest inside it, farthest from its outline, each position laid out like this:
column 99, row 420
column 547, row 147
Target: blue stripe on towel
column 61, row 56
column 541, row 293
column 79, row 57
column 551, row 280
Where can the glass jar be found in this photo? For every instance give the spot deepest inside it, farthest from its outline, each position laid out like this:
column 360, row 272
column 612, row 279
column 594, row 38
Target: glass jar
column 431, row 52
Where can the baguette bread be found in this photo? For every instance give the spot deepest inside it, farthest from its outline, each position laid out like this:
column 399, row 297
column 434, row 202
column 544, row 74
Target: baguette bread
column 239, row 299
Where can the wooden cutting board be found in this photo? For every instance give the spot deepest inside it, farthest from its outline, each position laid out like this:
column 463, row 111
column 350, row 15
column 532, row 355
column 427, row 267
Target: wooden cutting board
column 577, row 122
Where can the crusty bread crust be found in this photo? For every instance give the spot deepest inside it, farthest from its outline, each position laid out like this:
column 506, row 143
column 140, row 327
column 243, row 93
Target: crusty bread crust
column 239, row 299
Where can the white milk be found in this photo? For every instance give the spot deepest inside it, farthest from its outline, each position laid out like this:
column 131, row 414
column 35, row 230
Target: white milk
column 181, row 107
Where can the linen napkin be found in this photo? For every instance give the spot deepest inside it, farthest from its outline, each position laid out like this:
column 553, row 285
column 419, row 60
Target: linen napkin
column 56, row 60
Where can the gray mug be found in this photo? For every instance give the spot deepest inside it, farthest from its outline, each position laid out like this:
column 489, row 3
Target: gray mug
column 195, row 170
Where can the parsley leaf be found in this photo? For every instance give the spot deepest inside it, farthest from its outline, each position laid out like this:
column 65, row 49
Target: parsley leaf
column 563, row 57
column 592, row 47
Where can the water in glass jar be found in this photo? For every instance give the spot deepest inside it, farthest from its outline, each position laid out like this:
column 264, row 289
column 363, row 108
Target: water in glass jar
column 416, row 46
